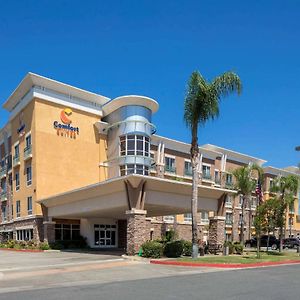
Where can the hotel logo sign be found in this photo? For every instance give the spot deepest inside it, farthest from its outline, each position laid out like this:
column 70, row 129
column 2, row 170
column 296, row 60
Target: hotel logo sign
column 66, row 129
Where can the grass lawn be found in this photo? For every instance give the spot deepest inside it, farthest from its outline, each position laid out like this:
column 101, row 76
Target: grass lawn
column 246, row 258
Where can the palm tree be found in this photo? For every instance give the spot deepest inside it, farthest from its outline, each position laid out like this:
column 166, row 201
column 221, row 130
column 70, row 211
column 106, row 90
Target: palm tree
column 245, row 185
column 286, row 188
column 202, row 104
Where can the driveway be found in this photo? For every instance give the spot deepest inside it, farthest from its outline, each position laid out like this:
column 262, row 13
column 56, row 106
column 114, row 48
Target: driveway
column 21, row 261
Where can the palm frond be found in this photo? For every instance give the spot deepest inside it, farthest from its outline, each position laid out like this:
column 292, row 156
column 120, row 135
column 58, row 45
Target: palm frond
column 225, row 84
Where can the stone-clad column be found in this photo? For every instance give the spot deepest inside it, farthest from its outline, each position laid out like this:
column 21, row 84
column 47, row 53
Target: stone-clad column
column 136, row 230
column 216, row 233
column 49, row 231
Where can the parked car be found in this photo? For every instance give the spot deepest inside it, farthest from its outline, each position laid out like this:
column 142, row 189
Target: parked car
column 273, row 242
column 291, row 243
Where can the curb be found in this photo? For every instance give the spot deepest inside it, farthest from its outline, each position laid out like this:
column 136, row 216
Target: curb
column 224, row 266
column 21, row 250
column 136, row 258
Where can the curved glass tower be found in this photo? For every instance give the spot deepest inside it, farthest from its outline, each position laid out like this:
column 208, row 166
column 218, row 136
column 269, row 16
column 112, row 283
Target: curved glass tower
column 129, row 134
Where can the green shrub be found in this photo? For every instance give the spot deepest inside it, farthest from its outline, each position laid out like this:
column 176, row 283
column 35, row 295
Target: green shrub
column 174, row 249
column 18, row 246
column 152, row 249
column 11, row 243
column 44, row 246
column 58, row 245
column 170, row 235
column 238, row 248
column 230, row 245
column 187, row 248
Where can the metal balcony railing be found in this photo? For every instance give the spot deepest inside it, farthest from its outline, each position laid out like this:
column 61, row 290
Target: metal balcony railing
column 16, row 160
column 206, row 176
column 3, row 195
column 170, row 169
column 3, row 171
column 228, row 204
column 218, row 180
column 27, row 152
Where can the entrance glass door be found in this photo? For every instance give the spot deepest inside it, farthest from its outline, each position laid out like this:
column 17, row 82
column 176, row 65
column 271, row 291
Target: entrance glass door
column 105, row 235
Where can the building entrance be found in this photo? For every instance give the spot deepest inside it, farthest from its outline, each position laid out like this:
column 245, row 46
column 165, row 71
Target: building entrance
column 105, row 235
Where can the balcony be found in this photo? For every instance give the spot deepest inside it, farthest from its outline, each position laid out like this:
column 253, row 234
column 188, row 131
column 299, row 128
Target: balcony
column 3, row 171
column 16, row 160
column 170, row 169
column 228, row 204
column 204, row 221
column 253, row 207
column 228, row 222
column 229, row 185
column 28, row 152
column 3, row 196
column 217, row 180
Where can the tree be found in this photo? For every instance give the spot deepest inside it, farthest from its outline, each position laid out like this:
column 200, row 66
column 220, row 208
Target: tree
column 244, row 186
column 286, row 189
column 266, row 219
column 202, row 104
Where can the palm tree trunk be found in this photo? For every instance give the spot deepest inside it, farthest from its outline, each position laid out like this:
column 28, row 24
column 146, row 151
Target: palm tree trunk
column 242, row 221
column 194, row 202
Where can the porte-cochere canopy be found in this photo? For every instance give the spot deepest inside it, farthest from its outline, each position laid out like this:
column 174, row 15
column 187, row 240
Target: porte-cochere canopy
column 113, row 197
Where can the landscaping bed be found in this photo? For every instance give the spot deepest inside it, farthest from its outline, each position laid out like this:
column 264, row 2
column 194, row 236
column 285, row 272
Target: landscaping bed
column 245, row 260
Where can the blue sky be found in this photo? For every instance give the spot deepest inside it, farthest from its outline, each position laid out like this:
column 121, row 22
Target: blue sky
column 150, row 47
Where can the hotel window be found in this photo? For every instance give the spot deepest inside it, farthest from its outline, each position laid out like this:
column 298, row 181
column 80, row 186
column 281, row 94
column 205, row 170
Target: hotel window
column 28, row 142
column 4, row 212
column 271, row 184
column 291, row 221
column 170, row 164
column 206, row 172
column 228, row 219
column 134, row 169
column 29, row 205
column 24, row 235
column 188, row 217
column 188, row 168
column 253, row 202
column 17, row 179
column 29, row 175
column 229, row 179
column 17, row 150
column 134, row 145
column 153, row 164
column 217, row 177
column 10, row 180
column 169, row 219
column 204, row 217
column 240, row 219
column 292, row 208
column 12, row 211
column 67, row 232
column 241, row 200
column 228, row 201
column 18, row 208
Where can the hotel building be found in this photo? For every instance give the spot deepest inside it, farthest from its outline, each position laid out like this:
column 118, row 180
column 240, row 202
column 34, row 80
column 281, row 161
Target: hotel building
column 78, row 163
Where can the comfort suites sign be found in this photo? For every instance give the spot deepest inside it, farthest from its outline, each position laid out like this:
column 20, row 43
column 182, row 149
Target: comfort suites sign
column 65, row 128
